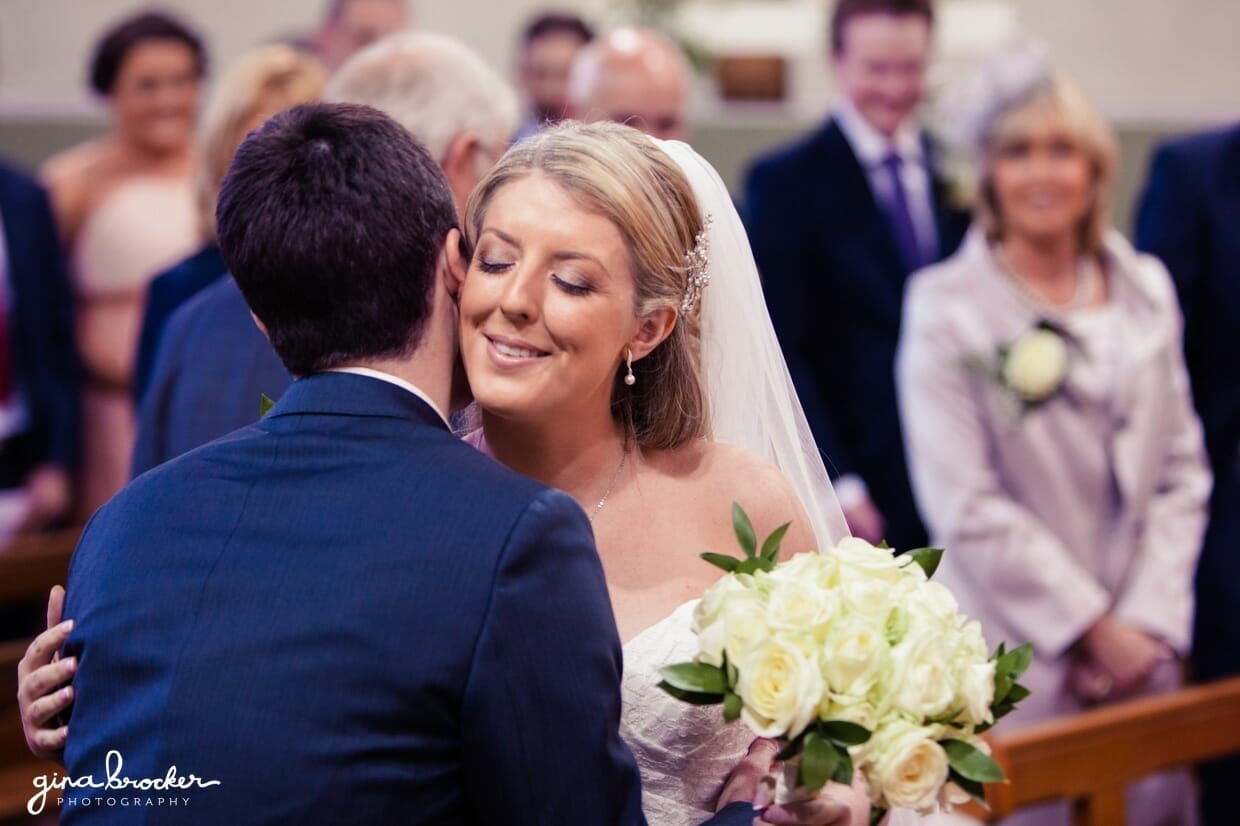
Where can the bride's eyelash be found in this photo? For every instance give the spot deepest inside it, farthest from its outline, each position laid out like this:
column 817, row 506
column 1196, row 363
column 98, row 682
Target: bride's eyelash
column 571, row 288
column 491, row 266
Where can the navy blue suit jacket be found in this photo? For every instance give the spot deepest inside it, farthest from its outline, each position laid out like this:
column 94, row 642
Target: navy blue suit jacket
column 1190, row 218
column 168, row 291
column 212, row 366
column 44, row 364
column 344, row 614
column 834, row 285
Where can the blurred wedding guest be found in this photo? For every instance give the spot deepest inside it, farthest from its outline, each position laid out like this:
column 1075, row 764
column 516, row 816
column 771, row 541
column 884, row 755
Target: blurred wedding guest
column 351, row 25
column 125, row 206
column 837, row 221
column 1051, row 435
column 267, row 80
column 1188, row 218
column 635, row 76
column 460, row 109
column 548, row 46
column 40, row 421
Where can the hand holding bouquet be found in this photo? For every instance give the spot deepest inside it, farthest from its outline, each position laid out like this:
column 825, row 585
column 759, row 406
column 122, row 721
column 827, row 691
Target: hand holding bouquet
column 853, row 659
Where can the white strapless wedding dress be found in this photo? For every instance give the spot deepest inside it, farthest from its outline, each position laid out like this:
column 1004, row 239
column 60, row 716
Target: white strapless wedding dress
column 684, row 752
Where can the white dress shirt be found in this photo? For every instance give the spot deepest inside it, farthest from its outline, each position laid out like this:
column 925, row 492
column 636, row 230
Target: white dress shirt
column 399, row 382
column 872, row 147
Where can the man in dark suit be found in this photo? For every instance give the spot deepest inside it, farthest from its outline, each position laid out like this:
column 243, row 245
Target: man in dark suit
column 1188, row 218
column 39, row 370
column 837, row 221
column 343, row 614
column 213, row 367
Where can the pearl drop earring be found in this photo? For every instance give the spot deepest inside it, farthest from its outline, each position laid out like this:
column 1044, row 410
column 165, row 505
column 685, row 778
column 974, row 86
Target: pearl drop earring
column 629, row 379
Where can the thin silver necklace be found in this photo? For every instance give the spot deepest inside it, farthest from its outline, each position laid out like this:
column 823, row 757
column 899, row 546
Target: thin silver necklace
column 611, row 486
column 1084, row 280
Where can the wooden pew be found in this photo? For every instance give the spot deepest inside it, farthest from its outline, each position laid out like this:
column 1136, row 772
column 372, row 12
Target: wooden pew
column 1088, row 759
column 29, row 567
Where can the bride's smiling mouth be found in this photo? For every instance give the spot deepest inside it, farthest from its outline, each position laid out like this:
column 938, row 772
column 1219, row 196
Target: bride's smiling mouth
column 508, row 352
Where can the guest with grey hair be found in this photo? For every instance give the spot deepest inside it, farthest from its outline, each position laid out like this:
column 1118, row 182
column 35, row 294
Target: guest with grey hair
column 213, row 364
column 633, row 75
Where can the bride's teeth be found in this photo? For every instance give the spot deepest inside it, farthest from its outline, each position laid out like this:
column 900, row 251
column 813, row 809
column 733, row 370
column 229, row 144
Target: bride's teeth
column 515, row 352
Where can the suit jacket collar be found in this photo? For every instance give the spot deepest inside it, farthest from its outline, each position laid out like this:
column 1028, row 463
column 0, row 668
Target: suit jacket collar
column 348, row 394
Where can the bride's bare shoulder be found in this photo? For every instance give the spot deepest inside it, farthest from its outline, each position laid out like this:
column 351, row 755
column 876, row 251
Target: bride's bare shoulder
column 722, row 473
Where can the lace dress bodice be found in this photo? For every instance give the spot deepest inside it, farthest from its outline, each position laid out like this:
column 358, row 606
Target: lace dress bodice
column 684, row 752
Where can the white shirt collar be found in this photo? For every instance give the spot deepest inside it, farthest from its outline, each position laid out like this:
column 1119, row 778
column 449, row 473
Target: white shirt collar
column 872, row 146
column 390, row 379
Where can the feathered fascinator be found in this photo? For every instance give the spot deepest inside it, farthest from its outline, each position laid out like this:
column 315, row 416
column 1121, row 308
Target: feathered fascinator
column 967, row 109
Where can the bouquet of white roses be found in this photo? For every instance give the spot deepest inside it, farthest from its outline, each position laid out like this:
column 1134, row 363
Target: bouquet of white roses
column 852, row 658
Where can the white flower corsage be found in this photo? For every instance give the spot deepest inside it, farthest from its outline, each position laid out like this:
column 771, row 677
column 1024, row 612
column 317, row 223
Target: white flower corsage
column 1032, row 368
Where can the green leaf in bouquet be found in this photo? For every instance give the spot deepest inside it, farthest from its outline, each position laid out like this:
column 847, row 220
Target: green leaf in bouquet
column 844, row 771
column 770, row 548
column 692, row 697
column 264, row 404
column 731, row 706
column 1017, row 661
column 882, row 544
column 844, row 732
column 819, row 760
column 1003, row 685
column 754, row 563
column 877, row 813
column 927, row 558
column 971, row 763
column 698, row 678
column 744, row 530
column 974, row 789
column 727, row 563
column 1017, row 693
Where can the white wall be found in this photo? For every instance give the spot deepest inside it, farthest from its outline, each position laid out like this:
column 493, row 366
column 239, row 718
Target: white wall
column 1146, row 61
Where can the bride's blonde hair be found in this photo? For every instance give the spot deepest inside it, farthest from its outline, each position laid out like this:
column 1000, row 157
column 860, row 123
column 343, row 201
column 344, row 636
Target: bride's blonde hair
column 619, row 173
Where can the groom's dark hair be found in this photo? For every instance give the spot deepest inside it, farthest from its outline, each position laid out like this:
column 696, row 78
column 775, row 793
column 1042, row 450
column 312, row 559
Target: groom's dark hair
column 331, row 219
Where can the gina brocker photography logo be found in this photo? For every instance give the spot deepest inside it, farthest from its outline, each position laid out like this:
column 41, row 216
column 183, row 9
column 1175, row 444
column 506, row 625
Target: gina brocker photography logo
column 115, row 789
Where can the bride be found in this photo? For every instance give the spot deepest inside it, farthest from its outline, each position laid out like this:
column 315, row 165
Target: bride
column 622, row 352
column 616, row 340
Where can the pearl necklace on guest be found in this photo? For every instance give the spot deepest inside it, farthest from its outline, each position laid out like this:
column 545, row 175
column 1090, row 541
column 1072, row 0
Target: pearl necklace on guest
column 1086, row 274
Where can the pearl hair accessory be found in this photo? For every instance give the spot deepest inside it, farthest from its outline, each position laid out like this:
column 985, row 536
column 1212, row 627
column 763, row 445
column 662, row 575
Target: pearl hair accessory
column 697, row 261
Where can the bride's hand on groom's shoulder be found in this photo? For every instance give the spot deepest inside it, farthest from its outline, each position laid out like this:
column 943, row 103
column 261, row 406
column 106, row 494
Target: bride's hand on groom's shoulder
column 40, row 677
column 753, row 780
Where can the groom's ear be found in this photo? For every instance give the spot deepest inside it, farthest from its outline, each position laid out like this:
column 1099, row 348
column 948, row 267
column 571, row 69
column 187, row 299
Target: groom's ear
column 652, row 330
column 454, row 264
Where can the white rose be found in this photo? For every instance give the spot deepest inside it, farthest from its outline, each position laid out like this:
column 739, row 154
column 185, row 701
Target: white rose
column 970, row 643
column 864, row 558
column 852, row 709
column 977, row 692
column 744, row 626
column 853, row 655
column 933, row 603
column 714, row 601
column 906, row 767
column 781, row 688
column 924, row 682
column 1036, row 364
column 798, row 605
column 869, row 598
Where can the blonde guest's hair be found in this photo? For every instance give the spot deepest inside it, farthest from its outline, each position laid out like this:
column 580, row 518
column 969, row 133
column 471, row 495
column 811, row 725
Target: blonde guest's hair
column 1054, row 95
column 619, row 173
column 435, row 87
column 269, row 78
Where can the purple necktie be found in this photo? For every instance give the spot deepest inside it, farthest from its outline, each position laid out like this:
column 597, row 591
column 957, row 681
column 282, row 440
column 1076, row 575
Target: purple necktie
column 900, row 217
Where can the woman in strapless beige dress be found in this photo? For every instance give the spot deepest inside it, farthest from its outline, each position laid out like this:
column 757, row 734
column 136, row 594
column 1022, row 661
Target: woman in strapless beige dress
column 125, row 206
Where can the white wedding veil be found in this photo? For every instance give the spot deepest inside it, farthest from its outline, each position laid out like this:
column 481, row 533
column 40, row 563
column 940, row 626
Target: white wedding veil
column 751, row 396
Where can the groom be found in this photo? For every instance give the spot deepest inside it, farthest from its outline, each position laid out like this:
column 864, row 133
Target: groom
column 343, row 614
